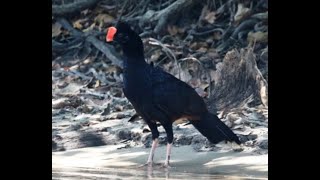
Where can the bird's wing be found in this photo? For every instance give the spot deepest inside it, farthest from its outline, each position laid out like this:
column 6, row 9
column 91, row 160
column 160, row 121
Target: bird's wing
column 173, row 96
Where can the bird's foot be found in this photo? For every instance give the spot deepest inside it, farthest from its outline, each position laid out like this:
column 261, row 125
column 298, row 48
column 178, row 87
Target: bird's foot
column 148, row 164
column 166, row 165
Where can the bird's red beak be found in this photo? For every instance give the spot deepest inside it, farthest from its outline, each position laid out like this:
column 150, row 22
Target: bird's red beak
column 110, row 33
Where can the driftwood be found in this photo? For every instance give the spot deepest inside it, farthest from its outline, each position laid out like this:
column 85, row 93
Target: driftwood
column 76, row 6
column 238, row 82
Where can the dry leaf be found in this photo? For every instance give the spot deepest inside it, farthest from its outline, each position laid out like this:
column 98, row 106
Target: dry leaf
column 240, row 126
column 212, row 53
column 247, row 131
column 87, row 61
column 241, row 13
column 203, row 44
column 55, row 65
column 210, row 17
column 198, row 45
column 173, row 30
column 194, row 45
column 207, row 15
column 75, row 67
column 112, row 69
column 213, row 75
column 262, row 16
column 56, row 29
column 103, row 18
column 201, row 92
column 204, row 86
column 264, row 95
column 155, row 56
column 77, row 24
column 93, row 122
column 202, row 49
column 85, row 12
column 217, row 35
column 257, row 36
column 89, row 28
column 97, row 84
column 178, row 53
column 194, row 82
column 185, row 76
column 71, row 89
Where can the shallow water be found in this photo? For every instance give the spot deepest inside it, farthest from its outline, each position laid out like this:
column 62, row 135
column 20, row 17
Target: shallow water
column 140, row 173
column 110, row 162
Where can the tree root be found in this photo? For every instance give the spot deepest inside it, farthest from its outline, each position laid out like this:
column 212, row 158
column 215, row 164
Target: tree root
column 238, row 78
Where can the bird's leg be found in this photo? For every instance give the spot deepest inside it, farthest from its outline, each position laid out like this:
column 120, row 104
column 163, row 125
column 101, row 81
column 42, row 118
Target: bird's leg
column 169, row 132
column 150, row 172
column 155, row 135
column 166, row 163
column 153, row 149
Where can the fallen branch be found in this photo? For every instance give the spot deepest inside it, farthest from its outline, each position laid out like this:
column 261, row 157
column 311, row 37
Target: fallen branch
column 76, row 6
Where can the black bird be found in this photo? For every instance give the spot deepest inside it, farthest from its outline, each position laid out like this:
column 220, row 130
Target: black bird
column 158, row 96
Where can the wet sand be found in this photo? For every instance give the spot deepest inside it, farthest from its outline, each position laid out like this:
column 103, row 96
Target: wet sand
column 112, row 162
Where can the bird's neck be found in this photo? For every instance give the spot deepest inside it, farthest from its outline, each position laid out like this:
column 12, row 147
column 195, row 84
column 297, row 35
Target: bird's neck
column 133, row 51
column 134, row 54
column 136, row 62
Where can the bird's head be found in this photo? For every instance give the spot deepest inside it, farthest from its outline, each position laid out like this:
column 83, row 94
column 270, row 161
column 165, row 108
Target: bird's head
column 121, row 33
column 127, row 38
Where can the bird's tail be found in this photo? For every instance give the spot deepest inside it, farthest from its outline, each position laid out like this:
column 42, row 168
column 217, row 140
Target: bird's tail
column 214, row 129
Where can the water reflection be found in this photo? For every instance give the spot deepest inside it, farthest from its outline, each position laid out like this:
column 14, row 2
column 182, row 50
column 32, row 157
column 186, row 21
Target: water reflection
column 154, row 172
